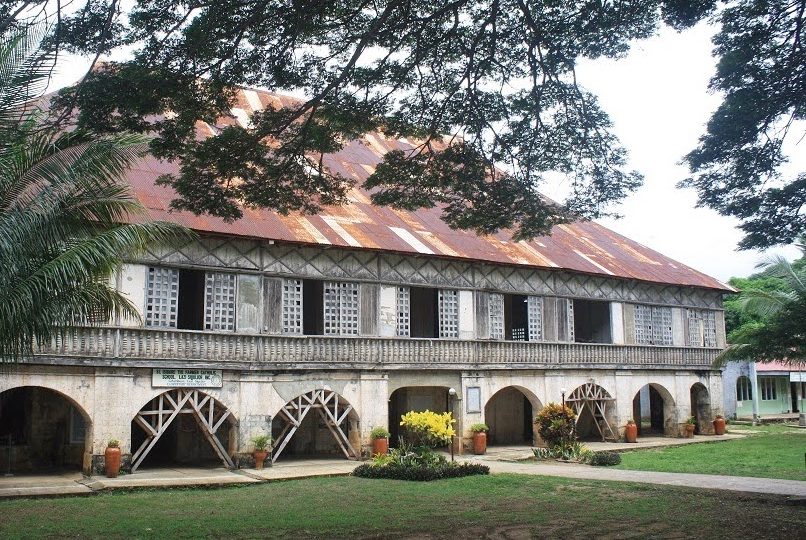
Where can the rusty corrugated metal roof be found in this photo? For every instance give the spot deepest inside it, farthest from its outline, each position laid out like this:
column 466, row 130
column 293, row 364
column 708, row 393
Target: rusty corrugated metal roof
column 585, row 247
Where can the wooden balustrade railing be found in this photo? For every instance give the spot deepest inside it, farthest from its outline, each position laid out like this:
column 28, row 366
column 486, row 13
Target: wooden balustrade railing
column 152, row 344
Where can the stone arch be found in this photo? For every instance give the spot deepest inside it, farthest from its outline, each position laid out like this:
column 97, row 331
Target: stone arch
column 595, row 411
column 302, row 416
column 509, row 413
column 654, row 410
column 53, row 426
column 173, row 416
column 701, row 409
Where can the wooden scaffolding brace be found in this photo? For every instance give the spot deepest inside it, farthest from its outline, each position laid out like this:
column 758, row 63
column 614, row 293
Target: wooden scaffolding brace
column 331, row 412
column 595, row 398
column 156, row 417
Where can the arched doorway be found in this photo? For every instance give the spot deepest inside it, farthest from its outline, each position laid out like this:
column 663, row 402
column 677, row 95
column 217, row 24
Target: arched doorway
column 415, row 398
column 42, row 430
column 654, row 411
column 509, row 414
column 317, row 423
column 701, row 409
column 183, row 426
column 595, row 412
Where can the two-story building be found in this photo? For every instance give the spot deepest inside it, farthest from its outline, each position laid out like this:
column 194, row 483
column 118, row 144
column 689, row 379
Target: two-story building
column 320, row 328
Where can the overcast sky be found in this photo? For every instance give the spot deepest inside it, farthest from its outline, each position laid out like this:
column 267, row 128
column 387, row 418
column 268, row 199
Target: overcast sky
column 657, row 98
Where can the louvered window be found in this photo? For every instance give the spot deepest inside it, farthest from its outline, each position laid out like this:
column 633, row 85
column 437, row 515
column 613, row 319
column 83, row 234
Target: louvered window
column 341, row 307
column 162, row 296
column 496, row 302
column 448, row 314
column 709, row 328
column 535, row 313
column 292, row 306
column 701, row 328
column 643, row 325
column 653, row 325
column 219, row 301
column 403, row 312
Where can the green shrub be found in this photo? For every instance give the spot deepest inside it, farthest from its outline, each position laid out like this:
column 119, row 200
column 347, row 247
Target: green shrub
column 420, row 473
column 379, row 432
column 428, row 428
column 603, row 459
column 415, row 463
column 479, row 428
column 556, row 424
column 569, row 451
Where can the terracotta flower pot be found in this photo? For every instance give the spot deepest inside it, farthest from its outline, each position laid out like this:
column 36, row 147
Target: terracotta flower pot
column 631, row 433
column 260, row 457
column 380, row 446
column 112, row 461
column 479, row 443
column 719, row 426
column 690, row 430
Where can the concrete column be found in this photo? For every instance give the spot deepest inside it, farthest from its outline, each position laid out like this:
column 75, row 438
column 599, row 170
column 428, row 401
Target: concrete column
column 131, row 282
column 387, row 305
column 467, row 323
column 111, row 419
column 755, row 391
column 617, row 322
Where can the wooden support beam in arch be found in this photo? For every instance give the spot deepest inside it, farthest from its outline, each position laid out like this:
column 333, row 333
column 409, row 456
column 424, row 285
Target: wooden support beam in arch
column 330, row 408
column 156, row 417
column 596, row 399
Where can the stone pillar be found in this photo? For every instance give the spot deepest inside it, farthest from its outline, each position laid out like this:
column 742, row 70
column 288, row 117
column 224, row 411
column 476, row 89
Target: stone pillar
column 469, row 410
column 374, row 389
column 624, row 398
column 112, row 418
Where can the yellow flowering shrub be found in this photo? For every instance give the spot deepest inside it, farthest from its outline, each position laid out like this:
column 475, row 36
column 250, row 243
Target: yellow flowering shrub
column 428, row 428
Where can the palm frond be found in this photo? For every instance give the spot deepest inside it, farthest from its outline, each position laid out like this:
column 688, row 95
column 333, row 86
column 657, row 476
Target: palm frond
column 25, row 69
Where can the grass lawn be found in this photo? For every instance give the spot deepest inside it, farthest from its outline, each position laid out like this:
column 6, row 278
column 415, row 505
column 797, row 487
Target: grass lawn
column 776, row 451
column 506, row 506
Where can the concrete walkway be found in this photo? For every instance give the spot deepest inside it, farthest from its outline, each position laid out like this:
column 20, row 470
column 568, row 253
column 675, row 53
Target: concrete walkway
column 772, row 486
column 74, row 483
column 521, row 452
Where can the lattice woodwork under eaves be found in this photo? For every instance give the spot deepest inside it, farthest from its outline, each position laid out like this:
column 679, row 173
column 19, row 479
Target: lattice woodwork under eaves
column 156, row 417
column 596, row 399
column 332, row 410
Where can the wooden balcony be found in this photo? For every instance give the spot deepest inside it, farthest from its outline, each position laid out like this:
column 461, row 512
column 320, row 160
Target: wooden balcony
column 147, row 347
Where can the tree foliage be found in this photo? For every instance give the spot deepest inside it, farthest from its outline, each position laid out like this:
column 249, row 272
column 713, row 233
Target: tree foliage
column 766, row 321
column 486, row 88
column 63, row 213
column 739, row 164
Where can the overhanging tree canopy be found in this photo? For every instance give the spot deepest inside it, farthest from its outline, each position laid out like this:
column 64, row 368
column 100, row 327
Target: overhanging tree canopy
column 498, row 74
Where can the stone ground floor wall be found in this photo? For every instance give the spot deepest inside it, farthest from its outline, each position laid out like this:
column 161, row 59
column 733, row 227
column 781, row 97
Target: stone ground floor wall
column 110, row 398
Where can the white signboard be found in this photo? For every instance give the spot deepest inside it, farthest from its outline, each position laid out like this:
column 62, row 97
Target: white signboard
column 797, row 376
column 473, row 399
column 184, row 378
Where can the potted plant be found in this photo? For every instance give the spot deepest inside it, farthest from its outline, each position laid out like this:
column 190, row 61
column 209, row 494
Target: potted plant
column 479, row 438
column 380, row 440
column 261, row 452
column 719, row 425
column 112, row 458
column 631, row 431
column 690, row 426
